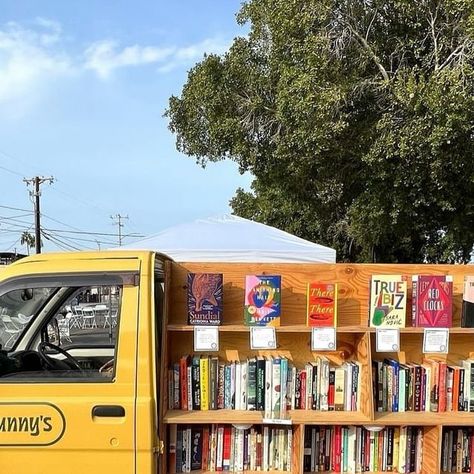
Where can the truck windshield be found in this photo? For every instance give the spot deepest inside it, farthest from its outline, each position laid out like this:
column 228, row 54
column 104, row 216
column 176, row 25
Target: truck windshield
column 17, row 309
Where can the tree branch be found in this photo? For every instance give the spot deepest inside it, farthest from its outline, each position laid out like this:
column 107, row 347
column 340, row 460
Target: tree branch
column 371, row 52
column 457, row 52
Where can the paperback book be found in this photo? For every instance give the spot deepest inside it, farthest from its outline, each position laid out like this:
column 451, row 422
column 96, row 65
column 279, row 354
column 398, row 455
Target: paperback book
column 321, row 308
column 262, row 300
column 205, row 299
column 432, row 301
column 388, row 301
column 467, row 315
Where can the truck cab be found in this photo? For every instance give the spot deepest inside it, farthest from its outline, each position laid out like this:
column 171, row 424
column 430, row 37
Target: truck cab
column 80, row 362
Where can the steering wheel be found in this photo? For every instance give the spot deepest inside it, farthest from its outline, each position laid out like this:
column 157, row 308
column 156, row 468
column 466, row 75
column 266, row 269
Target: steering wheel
column 41, row 351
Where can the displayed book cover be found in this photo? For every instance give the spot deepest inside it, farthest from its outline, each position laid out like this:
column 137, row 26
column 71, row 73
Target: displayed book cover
column 467, row 315
column 388, row 301
column 321, row 310
column 432, row 300
column 262, row 300
column 205, row 298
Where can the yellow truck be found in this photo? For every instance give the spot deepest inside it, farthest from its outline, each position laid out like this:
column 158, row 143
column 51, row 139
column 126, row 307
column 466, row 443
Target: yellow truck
column 80, row 363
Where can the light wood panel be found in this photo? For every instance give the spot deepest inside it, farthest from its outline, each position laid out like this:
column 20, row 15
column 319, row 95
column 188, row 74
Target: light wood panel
column 354, row 341
column 296, row 347
column 353, row 281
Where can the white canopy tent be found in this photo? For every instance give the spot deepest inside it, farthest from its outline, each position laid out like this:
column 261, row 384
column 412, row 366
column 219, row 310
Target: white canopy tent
column 230, row 238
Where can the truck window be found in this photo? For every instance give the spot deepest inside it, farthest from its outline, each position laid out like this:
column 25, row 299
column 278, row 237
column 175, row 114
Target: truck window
column 59, row 333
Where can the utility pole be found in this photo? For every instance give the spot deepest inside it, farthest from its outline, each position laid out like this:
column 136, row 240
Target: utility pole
column 36, row 182
column 119, row 218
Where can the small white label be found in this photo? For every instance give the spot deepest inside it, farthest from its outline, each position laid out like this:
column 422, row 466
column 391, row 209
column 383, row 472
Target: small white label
column 206, row 338
column 263, row 338
column 387, row 340
column 276, row 421
column 323, row 339
column 436, row 340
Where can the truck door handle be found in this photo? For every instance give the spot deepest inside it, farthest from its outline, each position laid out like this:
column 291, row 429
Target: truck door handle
column 109, row 411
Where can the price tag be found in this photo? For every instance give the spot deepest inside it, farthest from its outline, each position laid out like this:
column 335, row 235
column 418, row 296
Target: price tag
column 262, row 338
column 276, row 421
column 206, row 338
column 387, row 339
column 436, row 340
column 323, row 339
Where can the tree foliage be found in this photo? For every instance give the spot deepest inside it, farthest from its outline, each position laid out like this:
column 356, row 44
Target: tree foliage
column 355, row 117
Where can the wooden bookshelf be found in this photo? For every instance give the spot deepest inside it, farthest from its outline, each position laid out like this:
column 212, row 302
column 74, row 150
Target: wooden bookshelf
column 355, row 341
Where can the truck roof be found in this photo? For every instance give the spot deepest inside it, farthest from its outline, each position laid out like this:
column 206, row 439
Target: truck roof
column 94, row 255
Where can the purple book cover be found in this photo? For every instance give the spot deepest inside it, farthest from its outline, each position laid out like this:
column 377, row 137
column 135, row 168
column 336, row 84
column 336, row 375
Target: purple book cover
column 205, row 299
column 432, row 300
column 262, row 300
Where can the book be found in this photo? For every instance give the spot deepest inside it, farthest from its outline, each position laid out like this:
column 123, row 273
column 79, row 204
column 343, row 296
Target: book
column 432, row 300
column 204, row 298
column 467, row 313
column 388, row 301
column 262, row 300
column 321, row 308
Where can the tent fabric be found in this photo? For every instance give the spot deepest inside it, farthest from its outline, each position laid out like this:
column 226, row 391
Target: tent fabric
column 230, row 239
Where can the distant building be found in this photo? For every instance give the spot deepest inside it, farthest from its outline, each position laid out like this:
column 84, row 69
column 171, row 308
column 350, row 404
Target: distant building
column 9, row 257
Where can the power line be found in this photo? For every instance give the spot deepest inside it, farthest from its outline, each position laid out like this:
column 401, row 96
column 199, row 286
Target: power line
column 11, row 171
column 93, row 233
column 16, row 209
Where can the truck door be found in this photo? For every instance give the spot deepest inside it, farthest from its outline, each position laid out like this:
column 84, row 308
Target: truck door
column 67, row 368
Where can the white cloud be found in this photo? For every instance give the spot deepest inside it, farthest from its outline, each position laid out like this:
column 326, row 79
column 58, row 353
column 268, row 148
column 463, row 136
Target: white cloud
column 188, row 55
column 104, row 57
column 28, row 60
column 33, row 55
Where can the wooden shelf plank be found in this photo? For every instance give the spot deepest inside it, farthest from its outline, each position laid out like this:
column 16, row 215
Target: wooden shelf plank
column 300, row 328
column 243, row 328
column 297, row 417
column 423, row 418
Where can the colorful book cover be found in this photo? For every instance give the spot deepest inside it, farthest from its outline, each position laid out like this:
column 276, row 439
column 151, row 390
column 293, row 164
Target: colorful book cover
column 262, row 300
column 321, row 310
column 432, row 300
column 205, row 298
column 467, row 315
column 388, row 301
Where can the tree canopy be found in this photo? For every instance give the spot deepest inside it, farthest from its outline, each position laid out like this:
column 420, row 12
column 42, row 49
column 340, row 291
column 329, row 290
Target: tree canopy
column 356, row 119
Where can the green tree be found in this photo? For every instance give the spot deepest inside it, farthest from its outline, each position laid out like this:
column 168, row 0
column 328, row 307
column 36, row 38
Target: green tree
column 356, row 119
column 28, row 240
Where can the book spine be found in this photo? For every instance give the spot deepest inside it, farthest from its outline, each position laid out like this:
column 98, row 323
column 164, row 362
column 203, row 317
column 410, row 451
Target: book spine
column 213, row 383
column 471, row 390
column 196, row 395
column 276, row 388
column 260, row 384
column 226, row 450
column 204, row 382
column 461, row 405
column 183, row 382
column 252, row 385
column 268, row 387
column 414, row 301
column 221, row 393
column 417, row 389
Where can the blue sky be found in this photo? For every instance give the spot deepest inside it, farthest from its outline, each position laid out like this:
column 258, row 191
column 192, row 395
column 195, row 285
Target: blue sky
column 83, row 87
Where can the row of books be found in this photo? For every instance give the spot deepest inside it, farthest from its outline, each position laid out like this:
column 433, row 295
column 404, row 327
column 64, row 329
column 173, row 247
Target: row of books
column 431, row 301
column 262, row 304
column 458, row 450
column 355, row 449
column 216, row 448
column 433, row 386
column 270, row 384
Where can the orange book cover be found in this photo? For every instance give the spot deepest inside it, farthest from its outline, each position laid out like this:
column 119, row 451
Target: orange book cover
column 456, row 388
column 321, row 304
